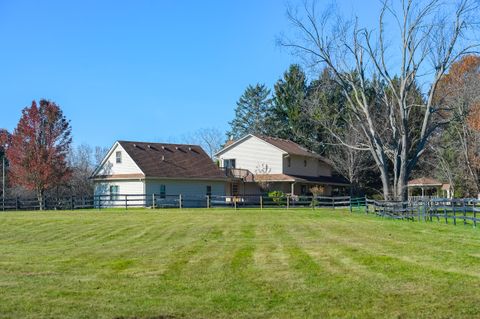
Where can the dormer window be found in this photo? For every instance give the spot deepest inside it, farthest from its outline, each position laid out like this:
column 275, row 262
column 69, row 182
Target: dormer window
column 118, row 157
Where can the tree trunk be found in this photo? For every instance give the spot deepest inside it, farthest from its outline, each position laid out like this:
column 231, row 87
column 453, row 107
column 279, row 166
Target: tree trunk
column 40, row 197
column 385, row 184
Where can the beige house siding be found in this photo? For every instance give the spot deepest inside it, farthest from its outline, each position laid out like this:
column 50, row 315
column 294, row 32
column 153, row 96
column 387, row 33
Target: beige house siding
column 252, row 153
column 185, row 187
column 314, row 166
column 125, row 187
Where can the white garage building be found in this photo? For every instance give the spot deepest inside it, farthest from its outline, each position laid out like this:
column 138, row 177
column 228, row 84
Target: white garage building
column 149, row 172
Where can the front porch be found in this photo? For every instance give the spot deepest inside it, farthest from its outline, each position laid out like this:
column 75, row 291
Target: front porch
column 289, row 184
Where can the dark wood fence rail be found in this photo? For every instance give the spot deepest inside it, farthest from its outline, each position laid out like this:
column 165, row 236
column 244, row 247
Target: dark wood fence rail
column 464, row 210
column 175, row 201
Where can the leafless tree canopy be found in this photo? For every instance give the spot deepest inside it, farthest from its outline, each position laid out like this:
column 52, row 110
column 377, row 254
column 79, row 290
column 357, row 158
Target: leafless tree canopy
column 413, row 45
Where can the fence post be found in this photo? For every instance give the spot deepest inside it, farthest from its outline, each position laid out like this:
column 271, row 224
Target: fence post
column 72, row 202
column 261, row 202
column 350, row 204
column 288, row 202
column 126, row 202
column 445, row 211
column 208, row 201
column 454, row 215
column 235, row 202
column 153, row 201
column 17, row 203
column 180, row 201
column 424, row 217
column 366, row 205
column 333, row 202
column 474, row 214
column 464, row 208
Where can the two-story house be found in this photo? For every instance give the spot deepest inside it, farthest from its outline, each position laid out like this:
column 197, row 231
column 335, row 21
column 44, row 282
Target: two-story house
column 260, row 163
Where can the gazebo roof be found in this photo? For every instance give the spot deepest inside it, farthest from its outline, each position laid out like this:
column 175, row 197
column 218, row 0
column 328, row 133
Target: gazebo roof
column 424, row 181
column 446, row 187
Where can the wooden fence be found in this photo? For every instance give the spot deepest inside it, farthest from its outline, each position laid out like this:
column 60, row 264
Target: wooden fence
column 127, row 201
column 464, row 211
column 454, row 211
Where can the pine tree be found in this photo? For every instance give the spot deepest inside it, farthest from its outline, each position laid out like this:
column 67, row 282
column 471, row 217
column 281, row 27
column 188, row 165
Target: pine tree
column 251, row 112
column 287, row 116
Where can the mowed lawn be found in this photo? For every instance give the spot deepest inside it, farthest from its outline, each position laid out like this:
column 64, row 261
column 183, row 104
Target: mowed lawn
column 234, row 264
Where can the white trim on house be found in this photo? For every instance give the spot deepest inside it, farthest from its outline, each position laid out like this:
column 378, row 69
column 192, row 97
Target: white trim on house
column 107, row 156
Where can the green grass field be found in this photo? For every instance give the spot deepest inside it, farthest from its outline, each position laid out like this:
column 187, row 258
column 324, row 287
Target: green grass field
column 227, row 264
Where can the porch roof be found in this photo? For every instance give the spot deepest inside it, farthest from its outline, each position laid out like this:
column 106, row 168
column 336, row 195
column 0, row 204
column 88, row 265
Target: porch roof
column 329, row 180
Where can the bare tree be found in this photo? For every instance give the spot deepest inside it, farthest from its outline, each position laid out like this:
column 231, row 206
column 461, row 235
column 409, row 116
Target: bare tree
column 210, row 139
column 263, row 169
column 100, row 153
column 431, row 35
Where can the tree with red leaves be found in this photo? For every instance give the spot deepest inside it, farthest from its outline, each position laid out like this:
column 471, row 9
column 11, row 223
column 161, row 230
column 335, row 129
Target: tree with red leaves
column 38, row 150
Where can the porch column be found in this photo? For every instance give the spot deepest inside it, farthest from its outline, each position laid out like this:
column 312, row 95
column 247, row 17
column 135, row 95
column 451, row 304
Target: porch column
column 423, row 191
column 292, row 189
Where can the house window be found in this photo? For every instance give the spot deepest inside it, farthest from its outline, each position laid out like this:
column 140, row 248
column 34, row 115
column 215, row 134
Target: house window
column 304, row 163
column 114, row 190
column 289, row 161
column 209, row 190
column 118, row 157
column 229, row 163
column 235, row 189
column 163, row 191
column 303, row 190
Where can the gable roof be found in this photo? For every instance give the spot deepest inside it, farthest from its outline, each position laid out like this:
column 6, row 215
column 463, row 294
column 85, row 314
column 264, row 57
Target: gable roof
column 424, row 181
column 182, row 161
column 286, row 146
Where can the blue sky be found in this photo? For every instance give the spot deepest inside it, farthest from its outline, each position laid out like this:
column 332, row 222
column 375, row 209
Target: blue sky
column 140, row 70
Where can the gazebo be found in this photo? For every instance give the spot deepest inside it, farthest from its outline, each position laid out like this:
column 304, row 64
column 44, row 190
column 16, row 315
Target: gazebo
column 426, row 184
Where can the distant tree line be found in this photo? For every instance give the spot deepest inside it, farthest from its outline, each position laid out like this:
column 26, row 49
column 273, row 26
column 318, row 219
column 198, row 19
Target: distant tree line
column 379, row 122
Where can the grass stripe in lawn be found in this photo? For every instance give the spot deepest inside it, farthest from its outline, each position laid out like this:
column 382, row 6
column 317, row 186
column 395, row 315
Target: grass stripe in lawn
column 234, row 264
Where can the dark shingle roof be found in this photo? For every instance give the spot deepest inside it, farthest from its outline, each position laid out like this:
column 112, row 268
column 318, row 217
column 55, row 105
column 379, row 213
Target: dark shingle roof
column 287, row 146
column 172, row 160
column 335, row 179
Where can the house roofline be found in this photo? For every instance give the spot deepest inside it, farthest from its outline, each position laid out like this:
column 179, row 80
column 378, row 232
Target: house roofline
column 129, row 177
column 110, row 151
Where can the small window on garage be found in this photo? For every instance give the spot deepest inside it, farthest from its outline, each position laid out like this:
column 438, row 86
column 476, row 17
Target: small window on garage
column 114, row 190
column 118, row 157
column 163, row 191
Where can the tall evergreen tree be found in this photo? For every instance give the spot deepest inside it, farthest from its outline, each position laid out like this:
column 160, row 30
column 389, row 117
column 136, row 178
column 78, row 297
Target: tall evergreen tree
column 251, row 112
column 289, row 95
